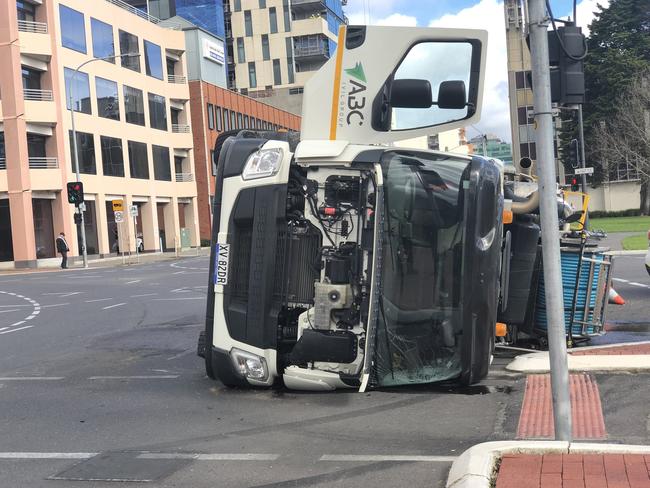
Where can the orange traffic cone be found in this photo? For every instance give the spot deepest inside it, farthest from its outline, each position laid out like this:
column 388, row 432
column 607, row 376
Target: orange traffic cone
column 615, row 297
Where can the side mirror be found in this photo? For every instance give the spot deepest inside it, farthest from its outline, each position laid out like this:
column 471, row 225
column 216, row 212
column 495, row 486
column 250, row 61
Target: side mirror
column 452, row 95
column 411, row 94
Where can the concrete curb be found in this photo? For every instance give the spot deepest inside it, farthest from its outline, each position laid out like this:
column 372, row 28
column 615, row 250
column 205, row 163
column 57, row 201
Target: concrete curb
column 538, row 362
column 639, row 252
column 477, row 466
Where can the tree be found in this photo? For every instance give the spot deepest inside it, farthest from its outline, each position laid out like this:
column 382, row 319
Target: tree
column 622, row 141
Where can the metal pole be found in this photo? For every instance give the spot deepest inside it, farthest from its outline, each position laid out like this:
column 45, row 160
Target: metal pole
column 582, row 154
column 484, row 143
column 75, row 160
column 549, row 219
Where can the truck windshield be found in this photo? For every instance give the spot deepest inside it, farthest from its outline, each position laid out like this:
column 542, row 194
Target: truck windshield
column 418, row 335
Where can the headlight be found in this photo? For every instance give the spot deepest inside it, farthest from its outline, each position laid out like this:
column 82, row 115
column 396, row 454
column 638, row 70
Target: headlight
column 249, row 365
column 263, row 163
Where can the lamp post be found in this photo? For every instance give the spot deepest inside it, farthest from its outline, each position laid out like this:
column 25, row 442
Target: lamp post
column 75, row 158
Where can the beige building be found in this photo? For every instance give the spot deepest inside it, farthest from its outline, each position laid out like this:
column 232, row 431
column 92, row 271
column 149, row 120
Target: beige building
column 452, row 141
column 132, row 122
column 274, row 46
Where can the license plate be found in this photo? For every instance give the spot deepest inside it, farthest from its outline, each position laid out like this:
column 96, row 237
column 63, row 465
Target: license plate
column 222, row 257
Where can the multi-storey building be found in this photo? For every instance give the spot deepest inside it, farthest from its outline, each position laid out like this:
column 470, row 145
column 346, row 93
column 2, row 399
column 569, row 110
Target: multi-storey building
column 132, row 119
column 494, row 147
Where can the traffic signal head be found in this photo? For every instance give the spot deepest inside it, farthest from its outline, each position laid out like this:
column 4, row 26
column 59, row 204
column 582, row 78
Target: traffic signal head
column 573, row 153
column 77, row 218
column 575, row 186
column 75, row 192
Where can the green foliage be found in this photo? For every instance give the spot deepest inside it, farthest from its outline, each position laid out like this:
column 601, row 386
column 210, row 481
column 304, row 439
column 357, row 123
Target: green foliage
column 599, row 214
column 620, row 224
column 635, row 243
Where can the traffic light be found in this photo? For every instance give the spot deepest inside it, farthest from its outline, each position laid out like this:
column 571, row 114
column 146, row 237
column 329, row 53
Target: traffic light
column 75, row 192
column 566, row 51
column 77, row 218
column 574, row 157
column 575, row 186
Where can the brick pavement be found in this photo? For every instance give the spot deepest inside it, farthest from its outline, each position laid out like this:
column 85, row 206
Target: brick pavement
column 614, row 350
column 574, row 471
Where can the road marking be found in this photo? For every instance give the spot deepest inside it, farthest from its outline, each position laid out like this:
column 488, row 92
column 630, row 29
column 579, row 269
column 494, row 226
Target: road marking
column 187, row 298
column 621, row 280
column 633, row 283
column 355, row 458
column 16, row 330
column 64, row 293
column 132, row 281
column 178, row 272
column 144, row 295
column 36, row 307
column 47, row 455
column 31, row 378
column 141, row 377
column 209, row 457
column 113, row 306
column 6, row 306
column 10, row 310
column 176, row 356
column 98, row 300
column 55, row 305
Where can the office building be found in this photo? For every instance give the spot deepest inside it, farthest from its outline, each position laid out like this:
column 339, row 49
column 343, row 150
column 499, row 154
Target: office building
column 494, row 147
column 132, row 119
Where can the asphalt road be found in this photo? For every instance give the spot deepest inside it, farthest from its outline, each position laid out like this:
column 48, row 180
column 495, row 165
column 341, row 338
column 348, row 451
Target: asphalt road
column 102, row 383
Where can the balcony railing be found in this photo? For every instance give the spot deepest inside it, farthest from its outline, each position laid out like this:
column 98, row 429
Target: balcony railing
column 3, row 163
column 180, row 128
column 30, row 26
column 184, row 177
column 135, row 11
column 181, row 80
column 300, row 51
column 43, row 163
column 38, row 95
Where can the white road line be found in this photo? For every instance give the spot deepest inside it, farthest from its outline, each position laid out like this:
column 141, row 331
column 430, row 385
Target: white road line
column 144, row 295
column 633, row 283
column 132, row 281
column 98, row 300
column 71, row 294
column 171, row 299
column 383, row 458
column 178, row 272
column 31, row 378
column 141, row 377
column 209, row 457
column 16, row 330
column 55, row 305
column 113, row 306
column 3, row 328
column 184, row 353
column 11, row 306
column 47, row 455
column 621, row 280
column 10, row 310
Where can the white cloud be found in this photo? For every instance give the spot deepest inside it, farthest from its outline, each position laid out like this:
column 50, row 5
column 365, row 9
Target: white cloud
column 396, row 19
column 585, row 12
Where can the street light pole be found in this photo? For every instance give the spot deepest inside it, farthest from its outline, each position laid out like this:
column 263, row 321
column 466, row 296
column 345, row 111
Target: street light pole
column 75, row 158
column 546, row 173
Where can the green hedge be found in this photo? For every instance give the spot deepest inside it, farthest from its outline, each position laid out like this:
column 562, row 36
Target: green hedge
column 599, row 214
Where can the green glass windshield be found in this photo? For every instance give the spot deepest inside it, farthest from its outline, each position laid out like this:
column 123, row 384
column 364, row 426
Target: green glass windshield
column 419, row 326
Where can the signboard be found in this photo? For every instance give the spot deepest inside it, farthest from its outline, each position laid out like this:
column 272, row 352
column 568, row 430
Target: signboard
column 118, row 205
column 119, row 216
column 213, row 51
column 584, row 171
column 133, row 210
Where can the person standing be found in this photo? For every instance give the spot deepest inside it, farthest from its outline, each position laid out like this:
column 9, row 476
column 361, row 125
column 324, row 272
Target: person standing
column 62, row 247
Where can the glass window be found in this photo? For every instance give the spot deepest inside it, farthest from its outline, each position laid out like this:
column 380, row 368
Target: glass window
column 277, row 75
column 240, row 122
column 108, row 105
column 273, row 20
column 210, row 116
column 266, row 53
column 237, row 5
column 73, row 30
column 246, row 122
column 103, row 44
column 289, row 45
column 290, row 75
column 287, row 18
column 35, row 145
column 157, row 111
column 226, row 119
column 262, row 3
column 219, row 121
column 252, row 77
column 112, row 156
column 213, row 163
column 233, row 120
column 153, row 60
column 161, row 163
column 133, row 105
column 31, row 79
column 171, row 67
column 129, row 44
column 2, row 146
column 138, row 161
column 241, row 52
column 248, row 23
column 26, row 11
column 259, row 123
column 85, row 153
column 81, row 101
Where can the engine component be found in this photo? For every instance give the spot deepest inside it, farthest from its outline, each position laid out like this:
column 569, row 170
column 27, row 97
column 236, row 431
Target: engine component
column 297, row 253
column 342, row 190
column 331, row 346
column 329, row 297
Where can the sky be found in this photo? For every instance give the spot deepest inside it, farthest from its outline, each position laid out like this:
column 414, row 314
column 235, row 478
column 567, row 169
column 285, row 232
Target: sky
column 477, row 14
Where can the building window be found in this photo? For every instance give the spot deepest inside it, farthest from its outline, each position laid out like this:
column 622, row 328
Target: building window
column 240, row 121
column 525, row 115
column 81, row 92
column 226, row 119
column 625, row 171
column 219, row 121
column 85, row 153
column 248, row 23
column 233, row 120
column 273, row 20
column 171, row 67
column 290, row 75
column 157, row 112
column 26, row 11
column 138, row 161
column 246, row 126
column 521, row 80
column 112, row 156
column 35, row 145
column 210, row 116
column 237, row 6
column 262, row 3
column 277, row 75
column 103, row 44
column 241, row 52
column 161, row 163
column 108, row 105
column 252, row 77
column 287, row 18
column 213, row 163
column 133, row 105
column 73, row 30
column 259, row 123
column 31, row 79
column 266, row 53
column 2, row 147
column 128, row 45
column 153, row 60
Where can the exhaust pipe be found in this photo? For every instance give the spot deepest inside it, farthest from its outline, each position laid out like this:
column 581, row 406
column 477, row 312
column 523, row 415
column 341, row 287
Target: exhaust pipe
column 528, row 206
column 525, row 165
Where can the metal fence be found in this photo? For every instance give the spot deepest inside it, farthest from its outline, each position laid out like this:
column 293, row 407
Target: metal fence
column 43, row 163
column 184, row 177
column 35, row 27
column 180, row 128
column 38, row 95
